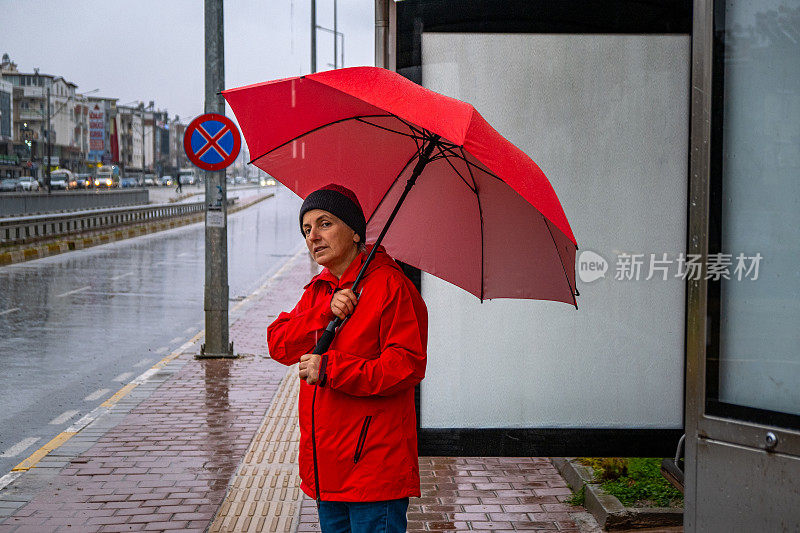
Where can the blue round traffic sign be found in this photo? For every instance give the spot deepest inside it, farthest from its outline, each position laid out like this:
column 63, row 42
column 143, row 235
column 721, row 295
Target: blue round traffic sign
column 212, row 141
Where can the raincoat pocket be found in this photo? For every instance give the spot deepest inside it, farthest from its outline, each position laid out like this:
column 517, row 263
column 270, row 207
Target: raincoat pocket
column 362, row 439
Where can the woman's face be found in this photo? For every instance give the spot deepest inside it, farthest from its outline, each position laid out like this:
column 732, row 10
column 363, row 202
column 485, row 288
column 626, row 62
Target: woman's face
column 332, row 243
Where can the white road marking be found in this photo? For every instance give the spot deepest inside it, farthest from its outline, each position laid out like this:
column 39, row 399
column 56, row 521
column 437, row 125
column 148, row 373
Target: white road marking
column 123, row 377
column 63, row 417
column 7, row 311
column 96, row 395
column 176, row 339
column 73, row 292
column 20, row 447
column 163, row 349
column 189, row 330
column 115, row 278
column 143, row 362
column 185, row 254
column 8, row 478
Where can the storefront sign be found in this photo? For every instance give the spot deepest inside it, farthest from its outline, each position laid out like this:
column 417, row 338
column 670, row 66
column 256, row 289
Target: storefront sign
column 97, row 133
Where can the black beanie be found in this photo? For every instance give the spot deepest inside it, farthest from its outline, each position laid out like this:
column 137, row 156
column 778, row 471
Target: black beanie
column 341, row 202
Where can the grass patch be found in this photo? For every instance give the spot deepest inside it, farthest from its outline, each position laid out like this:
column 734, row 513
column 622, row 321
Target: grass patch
column 577, row 498
column 634, row 481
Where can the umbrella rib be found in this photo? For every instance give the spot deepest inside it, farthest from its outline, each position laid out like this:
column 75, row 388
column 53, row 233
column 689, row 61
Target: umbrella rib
column 480, row 210
column 454, row 169
column 309, row 132
column 388, row 129
column 470, row 163
column 385, row 194
column 563, row 267
column 412, row 127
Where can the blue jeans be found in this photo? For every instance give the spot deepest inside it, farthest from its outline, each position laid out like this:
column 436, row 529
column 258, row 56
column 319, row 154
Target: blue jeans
column 363, row 517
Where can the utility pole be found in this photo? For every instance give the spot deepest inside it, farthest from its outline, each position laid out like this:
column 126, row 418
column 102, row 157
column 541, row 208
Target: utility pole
column 216, row 288
column 47, row 108
column 141, row 112
column 335, row 39
column 313, row 36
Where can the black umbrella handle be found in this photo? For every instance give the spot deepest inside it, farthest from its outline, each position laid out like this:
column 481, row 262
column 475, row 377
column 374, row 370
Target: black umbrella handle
column 322, row 346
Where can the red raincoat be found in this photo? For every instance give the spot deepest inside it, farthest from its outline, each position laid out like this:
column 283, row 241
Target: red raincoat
column 365, row 417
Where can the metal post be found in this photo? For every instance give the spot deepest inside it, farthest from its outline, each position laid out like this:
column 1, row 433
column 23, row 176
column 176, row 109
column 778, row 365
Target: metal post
column 335, row 39
column 143, row 150
column 49, row 155
column 313, row 36
column 216, row 287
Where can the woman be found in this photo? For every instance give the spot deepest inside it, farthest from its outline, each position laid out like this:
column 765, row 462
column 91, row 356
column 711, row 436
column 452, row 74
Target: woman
column 365, row 418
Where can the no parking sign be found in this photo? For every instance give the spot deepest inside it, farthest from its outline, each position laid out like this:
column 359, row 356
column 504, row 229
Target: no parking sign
column 212, row 141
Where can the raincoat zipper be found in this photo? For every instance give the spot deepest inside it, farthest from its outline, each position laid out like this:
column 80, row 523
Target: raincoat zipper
column 362, row 439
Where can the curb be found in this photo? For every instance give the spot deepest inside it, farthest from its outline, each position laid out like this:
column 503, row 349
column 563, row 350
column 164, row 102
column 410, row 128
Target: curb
column 608, row 510
column 80, row 242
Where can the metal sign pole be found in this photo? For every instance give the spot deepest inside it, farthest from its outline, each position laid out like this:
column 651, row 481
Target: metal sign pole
column 216, row 284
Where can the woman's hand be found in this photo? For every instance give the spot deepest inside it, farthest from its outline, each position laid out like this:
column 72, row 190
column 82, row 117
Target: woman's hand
column 343, row 303
column 309, row 367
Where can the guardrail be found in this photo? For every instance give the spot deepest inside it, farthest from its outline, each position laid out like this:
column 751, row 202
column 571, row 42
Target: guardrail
column 14, row 204
column 17, row 230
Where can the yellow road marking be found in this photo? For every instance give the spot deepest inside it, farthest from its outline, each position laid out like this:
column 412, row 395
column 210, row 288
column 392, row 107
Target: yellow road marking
column 37, row 456
column 63, row 437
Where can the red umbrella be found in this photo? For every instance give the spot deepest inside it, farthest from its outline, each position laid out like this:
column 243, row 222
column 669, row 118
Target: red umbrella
column 476, row 211
column 481, row 214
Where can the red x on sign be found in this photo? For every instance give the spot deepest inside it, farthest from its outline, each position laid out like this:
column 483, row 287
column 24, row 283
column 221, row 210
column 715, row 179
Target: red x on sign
column 212, row 141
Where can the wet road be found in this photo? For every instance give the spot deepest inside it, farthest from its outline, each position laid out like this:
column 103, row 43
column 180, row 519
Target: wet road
column 76, row 327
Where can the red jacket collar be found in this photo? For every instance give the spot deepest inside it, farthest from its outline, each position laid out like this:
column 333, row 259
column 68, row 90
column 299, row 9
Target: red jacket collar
column 349, row 276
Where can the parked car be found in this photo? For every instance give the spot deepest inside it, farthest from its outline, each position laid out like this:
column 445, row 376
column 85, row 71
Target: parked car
column 28, row 183
column 166, row 181
column 10, row 185
column 59, row 179
column 149, row 178
column 81, row 181
column 128, row 182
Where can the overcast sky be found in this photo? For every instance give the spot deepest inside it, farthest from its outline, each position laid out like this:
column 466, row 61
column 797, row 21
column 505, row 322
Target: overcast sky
column 153, row 49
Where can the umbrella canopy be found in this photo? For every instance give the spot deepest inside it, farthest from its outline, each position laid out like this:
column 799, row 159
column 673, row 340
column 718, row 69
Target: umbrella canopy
column 481, row 214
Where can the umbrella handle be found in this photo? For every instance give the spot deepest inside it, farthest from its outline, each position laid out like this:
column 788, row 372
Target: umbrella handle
column 322, row 346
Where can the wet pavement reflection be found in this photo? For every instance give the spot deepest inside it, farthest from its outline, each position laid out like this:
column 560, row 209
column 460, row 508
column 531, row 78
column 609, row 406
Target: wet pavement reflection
column 76, row 327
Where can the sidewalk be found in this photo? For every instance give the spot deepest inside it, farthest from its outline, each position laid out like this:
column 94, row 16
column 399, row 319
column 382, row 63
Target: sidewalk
column 196, row 445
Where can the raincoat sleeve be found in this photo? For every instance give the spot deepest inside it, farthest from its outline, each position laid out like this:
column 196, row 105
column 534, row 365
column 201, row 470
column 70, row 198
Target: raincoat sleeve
column 403, row 345
column 295, row 333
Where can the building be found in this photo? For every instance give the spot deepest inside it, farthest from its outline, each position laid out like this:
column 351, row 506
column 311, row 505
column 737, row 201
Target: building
column 177, row 154
column 9, row 161
column 130, row 134
column 48, row 118
column 103, row 147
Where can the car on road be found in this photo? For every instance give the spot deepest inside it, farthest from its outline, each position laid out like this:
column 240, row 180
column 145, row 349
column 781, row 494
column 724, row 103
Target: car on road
column 10, row 185
column 81, row 181
column 28, row 183
column 166, row 181
column 188, row 176
column 107, row 177
column 128, row 182
column 150, row 180
column 267, row 182
column 59, row 179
